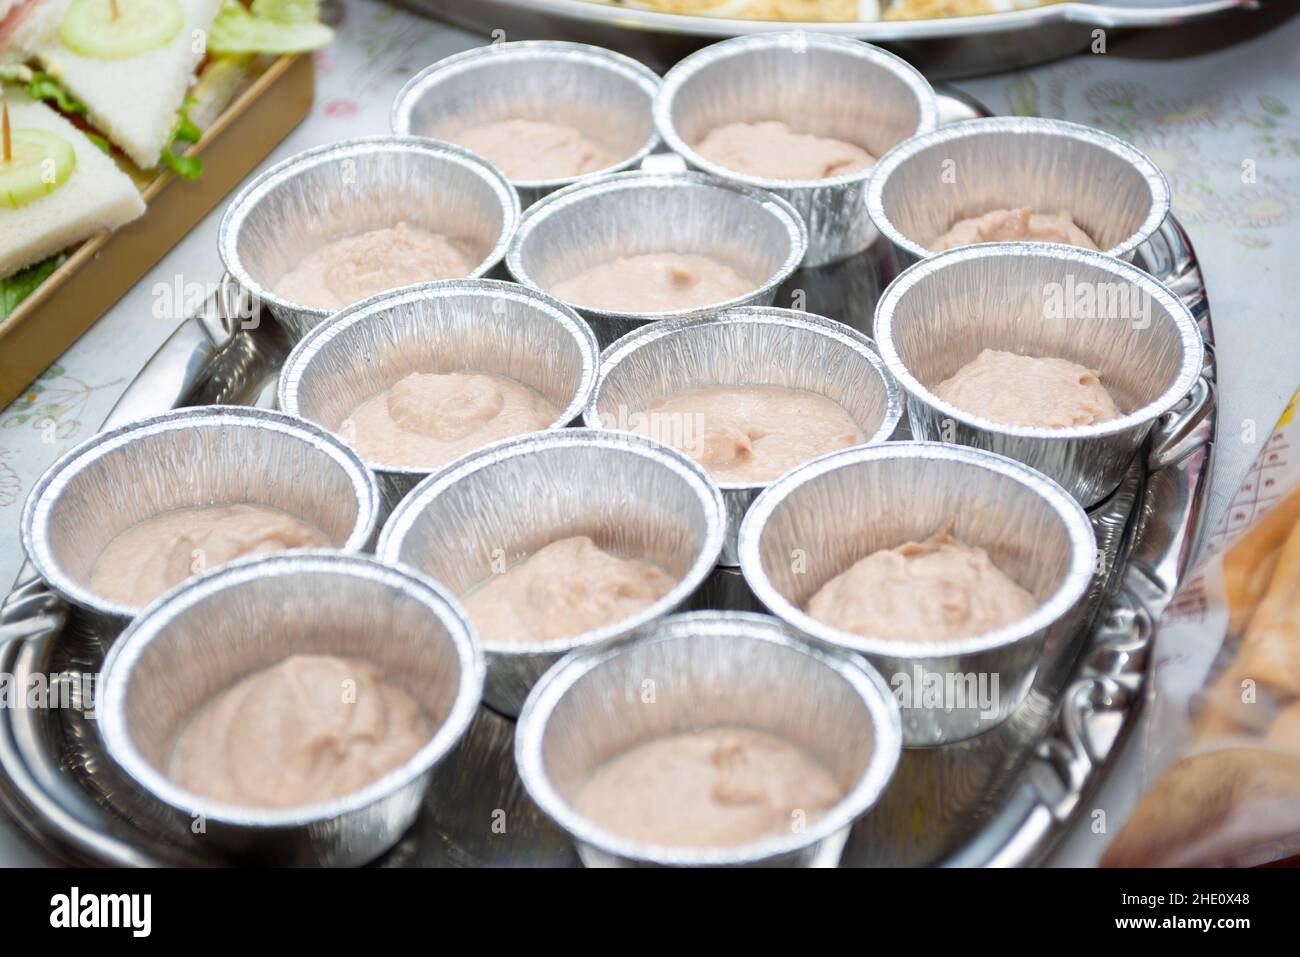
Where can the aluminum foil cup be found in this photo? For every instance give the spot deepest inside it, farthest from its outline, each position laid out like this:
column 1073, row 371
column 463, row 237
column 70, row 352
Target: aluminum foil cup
column 1041, row 300
column 597, row 91
column 923, row 186
column 817, row 83
column 750, row 346
column 629, row 214
column 483, row 325
column 213, row 630
column 211, row 455
column 631, row 495
column 354, row 186
column 708, row 669
column 818, row 520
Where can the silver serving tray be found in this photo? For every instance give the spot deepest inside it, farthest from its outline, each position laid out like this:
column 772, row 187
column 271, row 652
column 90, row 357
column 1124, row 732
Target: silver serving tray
column 1003, row 798
column 943, row 48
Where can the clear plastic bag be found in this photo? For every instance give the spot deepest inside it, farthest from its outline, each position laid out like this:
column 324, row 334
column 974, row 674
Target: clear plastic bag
column 1229, row 745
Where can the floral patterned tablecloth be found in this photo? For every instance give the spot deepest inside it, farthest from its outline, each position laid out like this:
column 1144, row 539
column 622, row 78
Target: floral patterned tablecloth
column 1224, row 126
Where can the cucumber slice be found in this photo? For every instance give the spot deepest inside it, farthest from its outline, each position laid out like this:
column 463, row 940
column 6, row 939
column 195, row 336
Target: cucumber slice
column 141, row 25
column 41, row 163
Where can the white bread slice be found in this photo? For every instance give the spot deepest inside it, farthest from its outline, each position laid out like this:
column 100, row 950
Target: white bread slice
column 27, row 26
column 134, row 101
column 97, row 196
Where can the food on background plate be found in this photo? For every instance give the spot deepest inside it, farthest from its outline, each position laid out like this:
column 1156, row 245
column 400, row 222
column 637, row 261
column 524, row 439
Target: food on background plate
column 1044, row 392
column 123, row 73
column 143, row 561
column 527, row 150
column 772, row 150
column 811, row 10
column 309, row 729
column 939, row 9
column 654, row 282
column 566, row 588
column 425, row 420
column 718, row 787
column 843, row 11
column 1008, row 225
column 350, row 269
column 940, row 589
column 748, row 434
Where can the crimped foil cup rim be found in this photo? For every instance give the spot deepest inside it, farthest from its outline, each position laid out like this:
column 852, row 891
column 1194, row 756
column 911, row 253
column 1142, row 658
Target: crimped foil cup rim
column 126, row 651
column 1189, row 335
column 863, row 345
column 468, row 60
column 687, row 67
column 1017, row 126
column 861, row 676
column 796, row 230
column 318, row 338
column 245, row 201
column 399, row 523
column 1075, row 584
column 37, row 508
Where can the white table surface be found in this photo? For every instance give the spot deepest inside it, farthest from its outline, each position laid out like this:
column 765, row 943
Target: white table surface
column 1224, row 126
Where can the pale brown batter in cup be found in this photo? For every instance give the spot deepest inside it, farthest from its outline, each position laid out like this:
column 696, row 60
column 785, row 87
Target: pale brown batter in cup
column 529, row 150
column 771, row 150
column 309, row 729
column 143, row 561
column 569, row 587
column 749, row 434
column 654, row 282
column 720, row 787
column 940, row 589
column 1027, row 390
column 1009, row 225
column 350, row 269
column 429, row 419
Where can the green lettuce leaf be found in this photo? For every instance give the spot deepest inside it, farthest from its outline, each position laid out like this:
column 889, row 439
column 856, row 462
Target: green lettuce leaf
column 24, row 282
column 45, row 87
column 39, row 85
column 186, row 167
column 271, row 26
column 288, row 11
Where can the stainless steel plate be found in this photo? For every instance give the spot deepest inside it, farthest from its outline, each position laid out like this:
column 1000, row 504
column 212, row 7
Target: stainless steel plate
column 1004, row 797
column 944, row 48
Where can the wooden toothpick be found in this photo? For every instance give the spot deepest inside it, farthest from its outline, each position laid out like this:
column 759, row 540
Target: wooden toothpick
column 114, row 12
column 7, row 135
